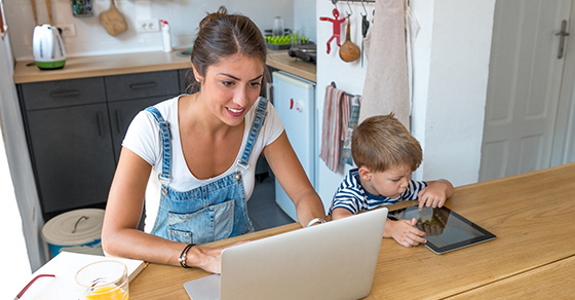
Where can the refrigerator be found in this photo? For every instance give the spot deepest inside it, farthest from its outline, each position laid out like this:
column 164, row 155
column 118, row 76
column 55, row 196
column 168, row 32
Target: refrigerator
column 294, row 100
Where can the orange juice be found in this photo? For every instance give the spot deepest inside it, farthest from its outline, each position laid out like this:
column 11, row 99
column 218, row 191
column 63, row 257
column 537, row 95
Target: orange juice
column 107, row 293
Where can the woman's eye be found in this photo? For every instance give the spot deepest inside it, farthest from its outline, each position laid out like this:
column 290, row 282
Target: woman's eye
column 228, row 83
column 255, row 84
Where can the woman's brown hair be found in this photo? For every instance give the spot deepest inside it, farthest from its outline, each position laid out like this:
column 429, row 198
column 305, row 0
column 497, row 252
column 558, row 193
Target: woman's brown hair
column 221, row 35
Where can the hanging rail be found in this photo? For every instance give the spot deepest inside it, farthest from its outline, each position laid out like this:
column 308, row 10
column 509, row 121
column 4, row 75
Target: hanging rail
column 366, row 1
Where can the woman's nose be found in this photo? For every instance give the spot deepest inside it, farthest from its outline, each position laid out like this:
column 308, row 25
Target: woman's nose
column 241, row 97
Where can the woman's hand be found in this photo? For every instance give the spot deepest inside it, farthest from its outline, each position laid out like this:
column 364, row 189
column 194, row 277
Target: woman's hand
column 208, row 259
column 404, row 232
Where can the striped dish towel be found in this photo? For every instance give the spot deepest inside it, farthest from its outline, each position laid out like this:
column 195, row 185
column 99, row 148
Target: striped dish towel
column 349, row 126
column 331, row 135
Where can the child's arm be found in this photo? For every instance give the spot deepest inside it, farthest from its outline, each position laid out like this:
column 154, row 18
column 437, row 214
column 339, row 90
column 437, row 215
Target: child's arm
column 435, row 194
column 340, row 213
column 404, row 232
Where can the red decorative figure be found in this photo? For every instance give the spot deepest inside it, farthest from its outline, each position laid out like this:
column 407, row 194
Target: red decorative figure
column 336, row 28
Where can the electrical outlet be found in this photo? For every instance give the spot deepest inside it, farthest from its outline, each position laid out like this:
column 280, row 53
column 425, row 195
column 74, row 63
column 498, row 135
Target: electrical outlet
column 149, row 25
column 68, row 30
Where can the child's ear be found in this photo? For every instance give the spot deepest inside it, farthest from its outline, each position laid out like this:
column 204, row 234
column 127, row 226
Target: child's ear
column 364, row 173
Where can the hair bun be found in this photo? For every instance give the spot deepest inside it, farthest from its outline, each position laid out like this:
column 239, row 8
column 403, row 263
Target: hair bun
column 222, row 11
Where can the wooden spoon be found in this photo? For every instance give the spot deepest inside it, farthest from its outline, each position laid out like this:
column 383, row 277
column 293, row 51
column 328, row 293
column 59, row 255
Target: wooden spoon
column 113, row 21
column 49, row 8
column 349, row 51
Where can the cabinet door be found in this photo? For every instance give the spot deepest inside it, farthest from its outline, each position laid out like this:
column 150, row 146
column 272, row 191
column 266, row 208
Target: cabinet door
column 73, row 155
column 122, row 113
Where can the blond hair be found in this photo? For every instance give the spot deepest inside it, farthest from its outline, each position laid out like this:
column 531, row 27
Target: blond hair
column 382, row 142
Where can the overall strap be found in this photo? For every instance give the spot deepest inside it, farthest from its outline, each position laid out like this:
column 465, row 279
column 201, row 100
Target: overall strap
column 261, row 112
column 166, row 140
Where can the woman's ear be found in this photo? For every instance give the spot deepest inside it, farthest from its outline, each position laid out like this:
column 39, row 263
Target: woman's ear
column 197, row 75
column 364, row 173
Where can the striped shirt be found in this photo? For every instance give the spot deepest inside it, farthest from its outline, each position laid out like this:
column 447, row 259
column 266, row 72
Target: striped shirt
column 352, row 196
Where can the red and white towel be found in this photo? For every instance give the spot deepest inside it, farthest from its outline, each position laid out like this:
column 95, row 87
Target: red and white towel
column 337, row 118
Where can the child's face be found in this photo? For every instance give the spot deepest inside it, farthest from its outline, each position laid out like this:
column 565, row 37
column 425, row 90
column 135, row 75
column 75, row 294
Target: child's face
column 390, row 183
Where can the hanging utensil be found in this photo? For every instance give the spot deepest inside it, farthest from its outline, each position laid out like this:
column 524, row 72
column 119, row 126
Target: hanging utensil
column 349, row 51
column 113, row 21
column 49, row 8
column 364, row 29
column 34, row 12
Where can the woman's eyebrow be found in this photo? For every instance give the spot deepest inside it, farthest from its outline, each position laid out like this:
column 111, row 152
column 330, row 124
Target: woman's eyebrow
column 238, row 79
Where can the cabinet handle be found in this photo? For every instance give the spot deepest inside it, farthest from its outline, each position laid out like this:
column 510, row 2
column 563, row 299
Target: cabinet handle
column 100, row 120
column 144, row 85
column 63, row 94
column 119, row 121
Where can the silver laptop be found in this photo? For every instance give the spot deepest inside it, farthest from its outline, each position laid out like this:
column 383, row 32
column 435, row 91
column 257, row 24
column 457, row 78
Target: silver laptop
column 335, row 260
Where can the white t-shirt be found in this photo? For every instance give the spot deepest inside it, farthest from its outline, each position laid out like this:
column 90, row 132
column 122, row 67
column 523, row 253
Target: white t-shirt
column 143, row 138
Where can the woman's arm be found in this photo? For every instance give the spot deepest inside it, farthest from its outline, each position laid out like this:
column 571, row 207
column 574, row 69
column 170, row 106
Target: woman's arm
column 120, row 236
column 288, row 170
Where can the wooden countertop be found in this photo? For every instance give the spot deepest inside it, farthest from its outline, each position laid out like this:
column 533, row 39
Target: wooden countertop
column 531, row 214
column 104, row 65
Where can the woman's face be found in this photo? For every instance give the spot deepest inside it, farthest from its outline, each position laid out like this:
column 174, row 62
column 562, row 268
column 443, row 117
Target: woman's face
column 231, row 87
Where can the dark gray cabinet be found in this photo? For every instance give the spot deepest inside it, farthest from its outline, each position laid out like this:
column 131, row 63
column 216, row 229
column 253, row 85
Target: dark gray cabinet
column 75, row 128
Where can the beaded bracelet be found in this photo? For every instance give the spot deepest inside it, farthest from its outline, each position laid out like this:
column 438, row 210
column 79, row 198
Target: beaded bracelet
column 183, row 256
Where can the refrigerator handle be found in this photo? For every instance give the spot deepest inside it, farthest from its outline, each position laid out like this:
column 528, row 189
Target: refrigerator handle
column 269, row 91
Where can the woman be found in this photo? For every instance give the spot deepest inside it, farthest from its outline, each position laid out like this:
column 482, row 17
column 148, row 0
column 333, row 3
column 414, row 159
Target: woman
column 204, row 146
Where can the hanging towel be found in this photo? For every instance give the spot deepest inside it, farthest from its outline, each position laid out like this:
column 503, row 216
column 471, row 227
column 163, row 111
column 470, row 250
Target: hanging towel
column 355, row 103
column 331, row 136
column 386, row 87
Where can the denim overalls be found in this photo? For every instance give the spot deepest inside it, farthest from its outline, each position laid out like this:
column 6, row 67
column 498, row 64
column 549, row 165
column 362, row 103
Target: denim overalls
column 215, row 211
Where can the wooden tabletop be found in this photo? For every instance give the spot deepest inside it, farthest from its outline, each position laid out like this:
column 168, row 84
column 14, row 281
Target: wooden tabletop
column 531, row 214
column 117, row 64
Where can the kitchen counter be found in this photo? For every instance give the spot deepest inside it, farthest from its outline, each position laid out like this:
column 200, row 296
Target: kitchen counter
column 117, row 64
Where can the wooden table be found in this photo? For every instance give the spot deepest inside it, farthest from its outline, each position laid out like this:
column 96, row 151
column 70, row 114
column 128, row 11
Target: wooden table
column 532, row 214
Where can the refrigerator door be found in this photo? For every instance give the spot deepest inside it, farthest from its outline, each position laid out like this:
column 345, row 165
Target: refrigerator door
column 294, row 100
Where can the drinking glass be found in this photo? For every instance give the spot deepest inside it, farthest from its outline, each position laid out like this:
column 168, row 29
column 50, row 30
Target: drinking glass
column 104, row 280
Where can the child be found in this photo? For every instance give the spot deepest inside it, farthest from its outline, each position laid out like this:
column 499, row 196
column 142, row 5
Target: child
column 385, row 154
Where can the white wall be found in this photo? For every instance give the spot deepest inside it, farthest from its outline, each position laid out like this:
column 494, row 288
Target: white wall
column 347, row 76
column 451, row 61
column 92, row 39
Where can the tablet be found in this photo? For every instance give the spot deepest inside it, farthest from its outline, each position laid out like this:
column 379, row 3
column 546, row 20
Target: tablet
column 445, row 230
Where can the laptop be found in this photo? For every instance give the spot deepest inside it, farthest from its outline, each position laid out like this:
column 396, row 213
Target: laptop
column 334, row 260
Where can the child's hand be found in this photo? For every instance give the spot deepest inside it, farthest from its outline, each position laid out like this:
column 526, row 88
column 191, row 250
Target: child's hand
column 435, row 194
column 404, row 232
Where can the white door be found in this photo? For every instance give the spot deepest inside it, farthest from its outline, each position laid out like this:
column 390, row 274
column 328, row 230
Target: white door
column 524, row 86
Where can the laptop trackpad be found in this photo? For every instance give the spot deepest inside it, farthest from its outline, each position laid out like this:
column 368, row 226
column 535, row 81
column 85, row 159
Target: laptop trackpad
column 205, row 288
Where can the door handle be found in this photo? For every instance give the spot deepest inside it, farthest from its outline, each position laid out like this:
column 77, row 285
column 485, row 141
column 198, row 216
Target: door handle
column 563, row 34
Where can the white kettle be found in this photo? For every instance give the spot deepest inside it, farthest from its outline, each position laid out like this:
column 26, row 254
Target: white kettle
column 48, row 47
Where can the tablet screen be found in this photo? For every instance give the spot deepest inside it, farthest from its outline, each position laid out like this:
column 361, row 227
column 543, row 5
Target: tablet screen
column 445, row 230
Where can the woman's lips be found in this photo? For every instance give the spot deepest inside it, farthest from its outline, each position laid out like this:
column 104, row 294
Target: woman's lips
column 236, row 112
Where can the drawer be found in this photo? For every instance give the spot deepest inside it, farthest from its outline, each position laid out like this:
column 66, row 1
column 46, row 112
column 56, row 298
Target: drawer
column 62, row 93
column 142, row 85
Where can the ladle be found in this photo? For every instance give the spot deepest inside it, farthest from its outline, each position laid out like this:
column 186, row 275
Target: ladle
column 349, row 51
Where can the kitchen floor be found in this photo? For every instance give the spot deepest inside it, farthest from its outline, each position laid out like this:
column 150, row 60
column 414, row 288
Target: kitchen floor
column 262, row 207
